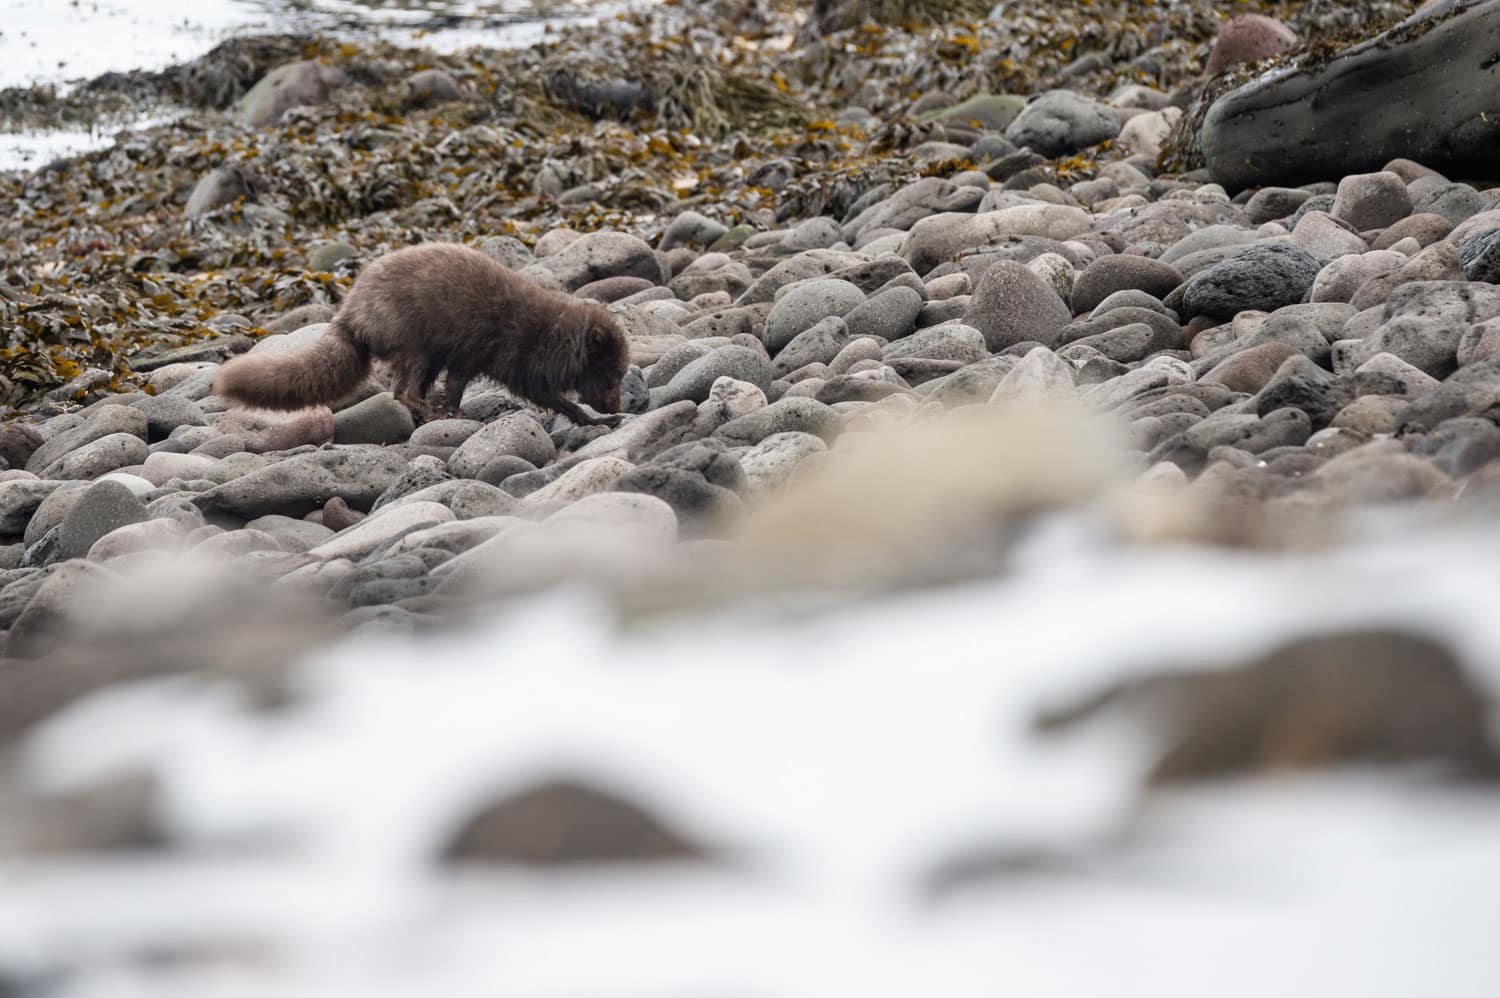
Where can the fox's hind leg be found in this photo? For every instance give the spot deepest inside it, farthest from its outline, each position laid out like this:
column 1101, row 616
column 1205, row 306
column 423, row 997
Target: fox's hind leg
column 453, row 391
column 410, row 390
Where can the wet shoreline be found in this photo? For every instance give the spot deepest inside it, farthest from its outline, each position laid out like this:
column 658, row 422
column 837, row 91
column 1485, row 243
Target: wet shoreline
column 32, row 134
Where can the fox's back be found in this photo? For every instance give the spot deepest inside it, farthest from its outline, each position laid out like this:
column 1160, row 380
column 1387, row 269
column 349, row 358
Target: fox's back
column 436, row 298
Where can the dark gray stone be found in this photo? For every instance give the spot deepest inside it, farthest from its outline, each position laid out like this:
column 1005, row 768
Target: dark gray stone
column 1252, row 434
column 567, row 824
column 1167, row 334
column 1122, row 272
column 52, row 509
column 515, row 433
column 1318, row 202
column 220, row 186
column 1387, row 374
column 803, row 266
column 1262, row 278
column 379, row 419
column 1012, row 304
column 101, row 508
column 99, row 457
column 294, row 84
column 302, row 315
column 1423, row 323
column 1470, row 391
column 806, row 305
column 508, row 251
column 1300, row 384
column 699, row 479
column 889, row 314
column 877, row 275
column 1480, row 256
column 430, row 87
column 691, row 227
column 326, row 256
column 18, row 442
column 612, row 289
column 674, row 360
column 974, row 383
column 1271, row 203
column 420, row 474
column 597, row 255
column 818, row 344
column 951, row 341
column 693, row 382
column 1454, row 202
column 299, row 485
column 19, row 499
column 505, row 467
column 857, row 388
column 1460, row 446
column 912, row 203
column 635, row 397
column 803, row 415
column 44, row 551
column 106, row 421
column 164, row 413
column 1061, row 121
column 466, row 497
column 1126, row 344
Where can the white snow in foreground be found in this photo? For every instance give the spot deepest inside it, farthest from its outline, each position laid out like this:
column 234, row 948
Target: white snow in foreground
column 838, row 759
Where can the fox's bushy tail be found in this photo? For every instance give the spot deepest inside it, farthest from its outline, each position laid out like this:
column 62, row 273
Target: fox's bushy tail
column 316, row 375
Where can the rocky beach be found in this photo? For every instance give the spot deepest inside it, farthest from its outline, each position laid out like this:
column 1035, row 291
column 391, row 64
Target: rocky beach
column 1051, row 512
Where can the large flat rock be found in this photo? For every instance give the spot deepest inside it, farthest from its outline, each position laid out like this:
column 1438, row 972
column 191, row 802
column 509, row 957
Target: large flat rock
column 1427, row 90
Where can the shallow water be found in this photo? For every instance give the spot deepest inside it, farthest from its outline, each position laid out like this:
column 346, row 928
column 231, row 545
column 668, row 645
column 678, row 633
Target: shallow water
column 61, row 42
column 839, row 759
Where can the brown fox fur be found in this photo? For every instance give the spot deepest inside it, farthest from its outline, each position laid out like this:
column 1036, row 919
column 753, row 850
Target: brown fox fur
column 441, row 307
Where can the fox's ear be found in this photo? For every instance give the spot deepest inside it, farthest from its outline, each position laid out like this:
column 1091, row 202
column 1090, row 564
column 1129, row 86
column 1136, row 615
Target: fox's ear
column 599, row 332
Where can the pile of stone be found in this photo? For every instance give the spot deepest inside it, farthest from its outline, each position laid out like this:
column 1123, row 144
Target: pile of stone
column 1280, row 349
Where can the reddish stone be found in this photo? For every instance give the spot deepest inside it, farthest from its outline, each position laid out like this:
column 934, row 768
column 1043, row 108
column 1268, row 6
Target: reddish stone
column 1198, row 324
column 1248, row 38
column 338, row 516
column 264, row 431
column 1249, row 370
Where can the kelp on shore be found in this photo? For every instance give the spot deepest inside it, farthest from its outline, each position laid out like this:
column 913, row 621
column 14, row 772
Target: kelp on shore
column 738, row 109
